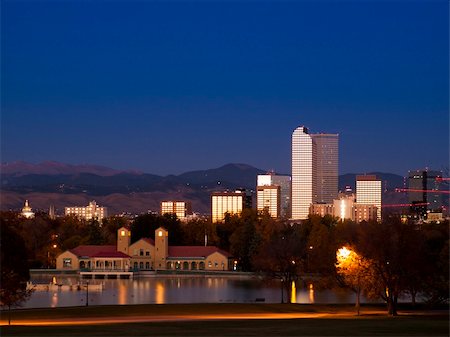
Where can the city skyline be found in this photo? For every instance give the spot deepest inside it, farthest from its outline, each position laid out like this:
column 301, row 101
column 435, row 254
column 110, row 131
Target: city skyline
column 170, row 88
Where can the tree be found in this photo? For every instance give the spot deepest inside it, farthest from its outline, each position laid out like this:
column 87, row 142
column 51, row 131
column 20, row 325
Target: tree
column 14, row 271
column 94, row 233
column 195, row 230
column 355, row 270
column 283, row 255
column 390, row 246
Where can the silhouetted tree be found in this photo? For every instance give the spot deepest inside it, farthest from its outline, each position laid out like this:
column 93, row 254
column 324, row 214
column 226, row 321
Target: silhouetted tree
column 14, row 268
column 283, row 255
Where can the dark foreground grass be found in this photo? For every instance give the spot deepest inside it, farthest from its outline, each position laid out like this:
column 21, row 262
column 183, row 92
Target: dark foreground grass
column 371, row 323
column 398, row 326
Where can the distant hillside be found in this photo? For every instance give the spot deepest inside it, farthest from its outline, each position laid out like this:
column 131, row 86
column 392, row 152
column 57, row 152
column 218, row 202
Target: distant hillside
column 61, row 185
column 20, row 168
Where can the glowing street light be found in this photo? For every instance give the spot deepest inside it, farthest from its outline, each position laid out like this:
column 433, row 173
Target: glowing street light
column 353, row 268
column 343, row 254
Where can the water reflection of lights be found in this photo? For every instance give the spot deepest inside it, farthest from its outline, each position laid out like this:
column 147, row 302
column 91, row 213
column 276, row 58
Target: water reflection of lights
column 54, row 300
column 122, row 291
column 293, row 293
column 311, row 293
column 159, row 293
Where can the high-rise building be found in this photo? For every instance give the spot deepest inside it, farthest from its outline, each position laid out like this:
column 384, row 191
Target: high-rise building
column 182, row 209
column 368, row 192
column 267, row 185
column 327, row 158
column 315, row 160
column 229, row 202
column 421, row 195
column 303, row 166
column 88, row 212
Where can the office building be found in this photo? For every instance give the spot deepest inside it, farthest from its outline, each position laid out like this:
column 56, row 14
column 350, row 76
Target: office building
column 315, row 160
column 321, row 209
column 343, row 207
column 363, row 212
column 182, row 209
column 92, row 211
column 303, row 166
column 268, row 199
column 423, row 194
column 327, row 157
column 368, row 192
column 227, row 202
column 267, row 184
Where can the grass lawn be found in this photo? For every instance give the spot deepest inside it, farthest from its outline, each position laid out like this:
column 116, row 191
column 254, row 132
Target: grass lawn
column 371, row 323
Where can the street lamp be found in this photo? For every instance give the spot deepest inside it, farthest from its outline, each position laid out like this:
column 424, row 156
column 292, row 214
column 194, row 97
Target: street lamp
column 87, row 293
column 282, row 299
column 353, row 268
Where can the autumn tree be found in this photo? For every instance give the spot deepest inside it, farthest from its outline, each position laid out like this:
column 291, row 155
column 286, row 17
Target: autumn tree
column 194, row 233
column 355, row 270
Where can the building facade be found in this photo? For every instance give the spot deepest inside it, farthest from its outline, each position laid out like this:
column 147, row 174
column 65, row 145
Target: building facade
column 268, row 199
column 343, row 207
column 315, row 160
column 303, row 166
column 363, row 212
column 92, row 211
column 423, row 194
column 327, row 170
column 368, row 192
column 144, row 254
column 182, row 209
column 27, row 212
column 283, row 199
column 321, row 209
column 226, row 202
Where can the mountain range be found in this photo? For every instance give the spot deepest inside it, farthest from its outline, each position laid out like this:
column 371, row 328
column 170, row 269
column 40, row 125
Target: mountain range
column 60, row 185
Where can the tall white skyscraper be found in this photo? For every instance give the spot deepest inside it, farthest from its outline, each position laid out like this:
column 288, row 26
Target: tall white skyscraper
column 368, row 192
column 315, row 159
column 303, row 166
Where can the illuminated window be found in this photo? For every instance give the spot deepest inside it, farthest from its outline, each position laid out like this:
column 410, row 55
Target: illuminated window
column 122, row 233
column 160, row 233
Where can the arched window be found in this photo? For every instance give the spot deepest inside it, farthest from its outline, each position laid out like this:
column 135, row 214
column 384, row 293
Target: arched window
column 135, row 265
column 201, row 265
column 141, row 265
column 194, row 265
column 185, row 265
column 169, row 265
column 147, row 265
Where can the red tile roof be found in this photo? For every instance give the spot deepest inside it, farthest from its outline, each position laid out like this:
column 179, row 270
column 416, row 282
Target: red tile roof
column 149, row 240
column 195, row 251
column 97, row 251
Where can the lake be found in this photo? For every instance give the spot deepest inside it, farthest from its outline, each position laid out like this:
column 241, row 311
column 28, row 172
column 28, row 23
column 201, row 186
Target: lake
column 178, row 289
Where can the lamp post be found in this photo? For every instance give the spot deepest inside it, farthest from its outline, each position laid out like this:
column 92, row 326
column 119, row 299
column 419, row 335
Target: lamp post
column 282, row 299
column 87, row 293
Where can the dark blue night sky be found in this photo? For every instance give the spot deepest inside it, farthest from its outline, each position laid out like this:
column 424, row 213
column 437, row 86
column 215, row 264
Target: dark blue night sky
column 167, row 87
